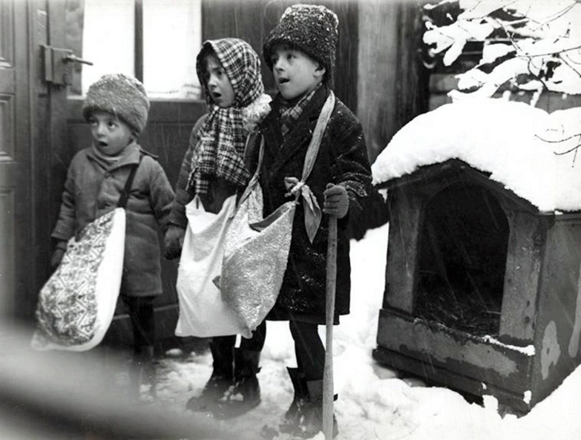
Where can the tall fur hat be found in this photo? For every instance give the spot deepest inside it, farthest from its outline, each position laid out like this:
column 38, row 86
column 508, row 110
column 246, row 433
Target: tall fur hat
column 310, row 28
column 119, row 94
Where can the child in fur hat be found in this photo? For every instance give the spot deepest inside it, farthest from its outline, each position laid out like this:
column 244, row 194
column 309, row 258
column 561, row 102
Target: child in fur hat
column 300, row 51
column 116, row 108
column 214, row 169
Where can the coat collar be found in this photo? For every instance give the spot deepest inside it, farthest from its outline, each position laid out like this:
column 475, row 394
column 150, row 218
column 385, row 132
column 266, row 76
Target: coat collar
column 298, row 138
column 130, row 156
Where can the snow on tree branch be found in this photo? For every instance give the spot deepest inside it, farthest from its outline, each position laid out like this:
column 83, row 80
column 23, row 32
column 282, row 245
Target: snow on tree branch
column 517, row 45
column 526, row 44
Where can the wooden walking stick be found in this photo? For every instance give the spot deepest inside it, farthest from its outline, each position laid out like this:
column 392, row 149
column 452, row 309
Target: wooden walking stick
column 328, row 394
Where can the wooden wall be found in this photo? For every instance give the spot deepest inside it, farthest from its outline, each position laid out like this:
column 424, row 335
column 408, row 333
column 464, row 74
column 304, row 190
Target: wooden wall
column 392, row 83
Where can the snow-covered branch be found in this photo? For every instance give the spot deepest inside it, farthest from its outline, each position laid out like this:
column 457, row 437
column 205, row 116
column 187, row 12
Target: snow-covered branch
column 526, row 44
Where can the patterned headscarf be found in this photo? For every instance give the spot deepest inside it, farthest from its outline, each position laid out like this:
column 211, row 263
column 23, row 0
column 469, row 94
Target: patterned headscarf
column 220, row 144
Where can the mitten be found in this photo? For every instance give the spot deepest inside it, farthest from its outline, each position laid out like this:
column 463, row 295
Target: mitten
column 58, row 253
column 174, row 240
column 336, row 201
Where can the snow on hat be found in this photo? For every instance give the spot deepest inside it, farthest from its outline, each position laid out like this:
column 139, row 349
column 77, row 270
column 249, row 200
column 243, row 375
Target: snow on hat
column 310, row 28
column 119, row 94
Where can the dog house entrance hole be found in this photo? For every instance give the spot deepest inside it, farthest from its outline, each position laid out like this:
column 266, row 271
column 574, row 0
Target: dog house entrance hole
column 464, row 243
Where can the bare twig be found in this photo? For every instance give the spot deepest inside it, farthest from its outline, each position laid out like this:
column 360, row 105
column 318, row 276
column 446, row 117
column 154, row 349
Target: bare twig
column 562, row 153
column 559, row 140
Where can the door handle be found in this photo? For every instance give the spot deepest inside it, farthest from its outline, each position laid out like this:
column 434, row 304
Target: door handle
column 57, row 65
column 75, row 59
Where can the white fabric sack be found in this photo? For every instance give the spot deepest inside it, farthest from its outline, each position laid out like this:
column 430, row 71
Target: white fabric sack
column 202, row 311
column 76, row 305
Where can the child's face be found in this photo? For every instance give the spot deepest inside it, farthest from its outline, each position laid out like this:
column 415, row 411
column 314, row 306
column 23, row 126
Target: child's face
column 110, row 134
column 295, row 73
column 218, row 84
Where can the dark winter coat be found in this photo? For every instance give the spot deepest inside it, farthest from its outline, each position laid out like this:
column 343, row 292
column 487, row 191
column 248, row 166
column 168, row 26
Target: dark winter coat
column 93, row 188
column 342, row 159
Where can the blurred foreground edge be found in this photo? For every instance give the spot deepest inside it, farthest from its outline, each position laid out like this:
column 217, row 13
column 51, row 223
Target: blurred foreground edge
column 65, row 395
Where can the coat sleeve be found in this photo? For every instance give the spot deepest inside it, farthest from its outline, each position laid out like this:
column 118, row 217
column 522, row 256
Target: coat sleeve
column 65, row 225
column 182, row 195
column 351, row 167
column 161, row 195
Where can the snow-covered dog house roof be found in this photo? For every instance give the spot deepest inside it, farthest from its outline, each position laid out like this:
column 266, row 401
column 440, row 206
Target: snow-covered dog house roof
column 481, row 289
column 529, row 151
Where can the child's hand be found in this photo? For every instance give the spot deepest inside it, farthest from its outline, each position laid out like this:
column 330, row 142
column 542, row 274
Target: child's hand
column 58, row 254
column 174, row 240
column 336, row 201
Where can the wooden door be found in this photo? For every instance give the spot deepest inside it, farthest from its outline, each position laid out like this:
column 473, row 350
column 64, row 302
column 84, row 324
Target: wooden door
column 31, row 125
column 13, row 102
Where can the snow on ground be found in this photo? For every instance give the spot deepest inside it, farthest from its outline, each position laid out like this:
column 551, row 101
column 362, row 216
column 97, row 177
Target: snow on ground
column 373, row 402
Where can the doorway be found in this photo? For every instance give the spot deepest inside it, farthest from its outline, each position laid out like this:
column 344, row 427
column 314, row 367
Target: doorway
column 462, row 260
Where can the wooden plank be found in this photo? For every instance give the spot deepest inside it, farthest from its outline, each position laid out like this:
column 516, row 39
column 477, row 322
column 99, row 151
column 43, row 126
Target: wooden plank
column 435, row 375
column 492, row 363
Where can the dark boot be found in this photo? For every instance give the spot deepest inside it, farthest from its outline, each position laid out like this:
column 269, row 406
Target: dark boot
column 311, row 412
column 142, row 372
column 245, row 394
column 301, row 394
column 220, row 381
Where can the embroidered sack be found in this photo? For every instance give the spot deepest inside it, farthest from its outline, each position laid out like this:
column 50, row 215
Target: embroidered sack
column 76, row 305
column 202, row 312
column 256, row 250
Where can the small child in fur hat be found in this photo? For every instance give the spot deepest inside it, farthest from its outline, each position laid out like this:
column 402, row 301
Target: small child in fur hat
column 214, row 169
column 116, row 107
column 300, row 51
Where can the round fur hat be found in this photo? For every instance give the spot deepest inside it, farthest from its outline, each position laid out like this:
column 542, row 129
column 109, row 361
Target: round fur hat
column 119, row 94
column 310, row 28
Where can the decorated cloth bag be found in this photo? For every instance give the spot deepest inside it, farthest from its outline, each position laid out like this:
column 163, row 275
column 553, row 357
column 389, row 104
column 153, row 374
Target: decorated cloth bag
column 77, row 303
column 256, row 250
column 202, row 312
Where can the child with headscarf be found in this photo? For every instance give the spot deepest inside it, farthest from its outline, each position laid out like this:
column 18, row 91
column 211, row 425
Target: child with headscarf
column 214, row 169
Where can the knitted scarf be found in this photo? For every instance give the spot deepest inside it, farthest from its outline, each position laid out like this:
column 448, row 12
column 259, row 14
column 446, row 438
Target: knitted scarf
column 290, row 112
column 220, row 144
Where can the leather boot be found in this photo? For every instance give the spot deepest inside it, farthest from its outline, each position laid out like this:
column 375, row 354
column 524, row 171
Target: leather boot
column 301, row 393
column 220, row 381
column 311, row 412
column 245, row 394
column 142, row 372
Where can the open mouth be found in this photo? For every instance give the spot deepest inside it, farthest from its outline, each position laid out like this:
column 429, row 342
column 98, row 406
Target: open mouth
column 103, row 144
column 283, row 80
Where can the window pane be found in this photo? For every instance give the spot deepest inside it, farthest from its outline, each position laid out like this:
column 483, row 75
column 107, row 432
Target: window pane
column 172, row 39
column 108, row 38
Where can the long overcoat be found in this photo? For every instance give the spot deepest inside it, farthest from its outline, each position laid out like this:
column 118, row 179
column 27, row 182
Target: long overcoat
column 93, row 188
column 342, row 159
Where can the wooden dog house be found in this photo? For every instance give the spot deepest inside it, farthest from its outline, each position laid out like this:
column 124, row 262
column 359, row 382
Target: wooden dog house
column 482, row 289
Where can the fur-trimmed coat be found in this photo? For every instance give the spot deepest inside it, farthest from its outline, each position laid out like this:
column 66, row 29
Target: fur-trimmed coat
column 342, row 159
column 93, row 188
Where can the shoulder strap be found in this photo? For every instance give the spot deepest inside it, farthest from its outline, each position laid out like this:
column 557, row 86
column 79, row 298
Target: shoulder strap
column 312, row 150
column 315, row 143
column 127, row 189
